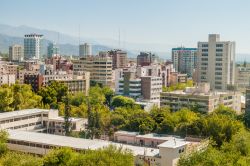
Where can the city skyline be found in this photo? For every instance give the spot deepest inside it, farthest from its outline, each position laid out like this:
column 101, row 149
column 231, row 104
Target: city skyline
column 160, row 23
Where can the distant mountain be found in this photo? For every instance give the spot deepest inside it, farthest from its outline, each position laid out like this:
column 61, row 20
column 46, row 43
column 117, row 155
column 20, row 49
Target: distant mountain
column 65, row 49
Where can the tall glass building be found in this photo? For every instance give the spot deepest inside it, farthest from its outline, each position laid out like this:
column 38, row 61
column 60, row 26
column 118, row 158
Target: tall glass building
column 184, row 60
column 32, row 46
column 52, row 49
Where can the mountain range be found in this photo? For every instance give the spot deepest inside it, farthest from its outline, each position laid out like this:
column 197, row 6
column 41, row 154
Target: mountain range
column 69, row 44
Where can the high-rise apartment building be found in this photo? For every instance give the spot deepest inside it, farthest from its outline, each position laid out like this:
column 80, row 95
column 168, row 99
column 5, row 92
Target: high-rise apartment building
column 32, row 46
column 16, row 52
column 216, row 62
column 119, row 58
column 184, row 60
column 52, row 50
column 85, row 50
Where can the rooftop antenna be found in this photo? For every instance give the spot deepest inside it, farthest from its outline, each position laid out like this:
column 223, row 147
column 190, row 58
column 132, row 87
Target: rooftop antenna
column 58, row 37
column 119, row 37
column 79, row 38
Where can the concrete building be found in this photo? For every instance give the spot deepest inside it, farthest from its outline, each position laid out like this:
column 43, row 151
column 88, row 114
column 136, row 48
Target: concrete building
column 119, row 58
column 35, row 80
column 32, row 46
column 184, row 60
column 166, row 153
column 8, row 68
column 176, row 78
column 7, row 79
column 16, row 53
column 247, row 100
column 100, row 69
column 202, row 97
column 78, row 83
column 242, row 77
column 85, row 50
column 52, row 50
column 140, row 88
column 39, row 120
column 151, row 87
column 130, row 85
column 75, row 83
column 146, row 59
column 216, row 62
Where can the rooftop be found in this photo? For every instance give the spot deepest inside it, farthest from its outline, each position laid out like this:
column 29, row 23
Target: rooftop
column 77, row 143
column 174, row 143
column 13, row 114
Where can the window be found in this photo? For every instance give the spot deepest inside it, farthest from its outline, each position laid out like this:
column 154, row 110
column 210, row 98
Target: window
column 218, row 64
column 204, row 50
column 204, row 54
column 219, row 50
column 219, row 54
column 219, row 45
column 218, row 68
column 204, row 45
column 218, row 59
column 204, row 59
column 218, row 73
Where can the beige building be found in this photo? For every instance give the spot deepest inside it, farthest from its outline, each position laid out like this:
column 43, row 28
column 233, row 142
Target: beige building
column 16, row 53
column 151, row 87
column 7, row 79
column 242, row 77
column 100, row 68
column 216, row 62
column 202, row 97
column 78, row 83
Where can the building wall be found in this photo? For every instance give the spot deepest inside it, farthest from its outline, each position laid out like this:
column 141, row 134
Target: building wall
column 216, row 62
column 16, row 53
column 151, row 88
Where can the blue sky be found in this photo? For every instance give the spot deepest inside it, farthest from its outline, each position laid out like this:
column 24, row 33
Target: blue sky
column 163, row 22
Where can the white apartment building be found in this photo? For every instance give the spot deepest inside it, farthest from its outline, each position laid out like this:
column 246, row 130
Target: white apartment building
column 202, row 97
column 16, row 53
column 85, row 50
column 32, row 46
column 216, row 62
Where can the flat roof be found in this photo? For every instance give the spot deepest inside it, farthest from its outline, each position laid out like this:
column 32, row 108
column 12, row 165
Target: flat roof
column 60, row 118
column 77, row 143
column 12, row 114
column 174, row 143
column 127, row 132
column 156, row 136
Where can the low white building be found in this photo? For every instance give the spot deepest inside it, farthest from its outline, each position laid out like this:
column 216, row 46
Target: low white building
column 166, row 153
column 39, row 120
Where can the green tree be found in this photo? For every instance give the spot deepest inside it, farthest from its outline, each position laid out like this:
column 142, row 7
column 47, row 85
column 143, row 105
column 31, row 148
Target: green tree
column 59, row 157
column 53, row 94
column 122, row 101
column 6, row 98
